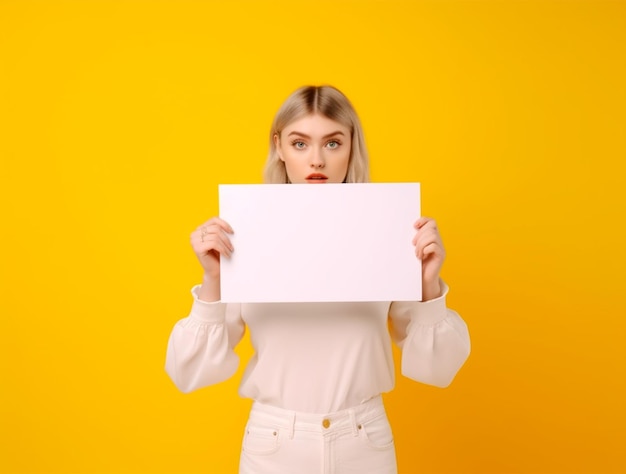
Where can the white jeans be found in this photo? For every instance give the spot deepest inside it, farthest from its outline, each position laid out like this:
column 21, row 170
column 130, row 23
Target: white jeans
column 356, row 440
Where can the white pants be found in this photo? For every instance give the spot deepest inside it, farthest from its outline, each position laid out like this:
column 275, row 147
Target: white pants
column 357, row 440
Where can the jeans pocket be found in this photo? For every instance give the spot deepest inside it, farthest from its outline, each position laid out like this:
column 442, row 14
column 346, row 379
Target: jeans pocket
column 378, row 432
column 260, row 439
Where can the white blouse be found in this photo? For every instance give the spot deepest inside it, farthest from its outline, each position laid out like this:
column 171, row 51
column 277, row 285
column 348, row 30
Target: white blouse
column 317, row 357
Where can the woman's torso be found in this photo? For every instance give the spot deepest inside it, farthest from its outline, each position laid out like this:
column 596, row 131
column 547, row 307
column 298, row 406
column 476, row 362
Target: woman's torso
column 317, row 357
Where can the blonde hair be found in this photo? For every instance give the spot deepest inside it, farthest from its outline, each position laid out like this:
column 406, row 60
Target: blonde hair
column 330, row 103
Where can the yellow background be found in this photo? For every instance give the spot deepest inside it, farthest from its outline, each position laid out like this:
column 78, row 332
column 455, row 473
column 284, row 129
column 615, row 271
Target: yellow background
column 118, row 120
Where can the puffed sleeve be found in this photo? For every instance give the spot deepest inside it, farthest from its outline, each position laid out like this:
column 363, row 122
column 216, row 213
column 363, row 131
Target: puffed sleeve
column 200, row 349
column 434, row 339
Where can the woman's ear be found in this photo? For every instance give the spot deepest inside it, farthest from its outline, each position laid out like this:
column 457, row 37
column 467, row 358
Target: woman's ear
column 277, row 146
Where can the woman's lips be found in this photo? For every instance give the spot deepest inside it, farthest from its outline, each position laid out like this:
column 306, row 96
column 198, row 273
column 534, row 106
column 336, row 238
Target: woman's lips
column 316, row 178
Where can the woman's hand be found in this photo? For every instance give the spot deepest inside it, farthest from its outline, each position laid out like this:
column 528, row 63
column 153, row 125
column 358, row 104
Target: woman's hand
column 429, row 249
column 208, row 242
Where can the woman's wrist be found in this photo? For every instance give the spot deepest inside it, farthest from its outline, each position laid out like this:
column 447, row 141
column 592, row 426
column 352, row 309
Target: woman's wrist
column 210, row 289
column 431, row 290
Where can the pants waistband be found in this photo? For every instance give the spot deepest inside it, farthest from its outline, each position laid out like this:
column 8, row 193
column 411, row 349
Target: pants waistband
column 348, row 419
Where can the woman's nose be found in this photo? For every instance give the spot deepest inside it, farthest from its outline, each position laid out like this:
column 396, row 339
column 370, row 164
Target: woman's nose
column 317, row 160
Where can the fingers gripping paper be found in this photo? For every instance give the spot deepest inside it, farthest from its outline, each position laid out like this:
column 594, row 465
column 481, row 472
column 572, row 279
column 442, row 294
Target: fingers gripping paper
column 326, row 242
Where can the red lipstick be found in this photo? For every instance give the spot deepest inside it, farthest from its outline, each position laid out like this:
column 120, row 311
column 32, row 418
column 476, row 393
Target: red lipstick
column 316, row 178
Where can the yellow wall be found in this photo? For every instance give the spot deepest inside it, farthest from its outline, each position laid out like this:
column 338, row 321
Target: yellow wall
column 118, row 120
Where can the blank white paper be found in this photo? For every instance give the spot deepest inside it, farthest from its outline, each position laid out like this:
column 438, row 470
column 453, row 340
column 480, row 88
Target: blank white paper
column 321, row 242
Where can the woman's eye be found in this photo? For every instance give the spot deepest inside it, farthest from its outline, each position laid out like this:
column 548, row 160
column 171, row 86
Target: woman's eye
column 299, row 145
column 332, row 144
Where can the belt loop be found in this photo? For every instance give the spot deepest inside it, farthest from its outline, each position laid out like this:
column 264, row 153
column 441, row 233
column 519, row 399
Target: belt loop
column 355, row 430
column 292, row 424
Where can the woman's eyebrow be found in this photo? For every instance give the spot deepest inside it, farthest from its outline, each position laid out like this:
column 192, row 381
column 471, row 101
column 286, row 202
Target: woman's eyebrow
column 304, row 135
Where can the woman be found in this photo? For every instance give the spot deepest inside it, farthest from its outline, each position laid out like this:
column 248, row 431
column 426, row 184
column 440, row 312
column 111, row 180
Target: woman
column 319, row 368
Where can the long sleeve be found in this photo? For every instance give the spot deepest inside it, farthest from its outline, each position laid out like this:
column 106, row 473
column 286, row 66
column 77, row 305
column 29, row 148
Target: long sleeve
column 434, row 340
column 200, row 349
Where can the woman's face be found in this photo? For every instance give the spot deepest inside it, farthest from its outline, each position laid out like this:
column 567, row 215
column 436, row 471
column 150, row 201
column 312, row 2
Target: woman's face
column 315, row 150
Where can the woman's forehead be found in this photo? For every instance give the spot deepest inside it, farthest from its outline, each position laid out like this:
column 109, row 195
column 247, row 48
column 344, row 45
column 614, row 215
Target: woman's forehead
column 315, row 124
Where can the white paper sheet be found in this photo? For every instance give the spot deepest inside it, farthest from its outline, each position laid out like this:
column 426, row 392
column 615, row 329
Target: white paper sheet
column 321, row 242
